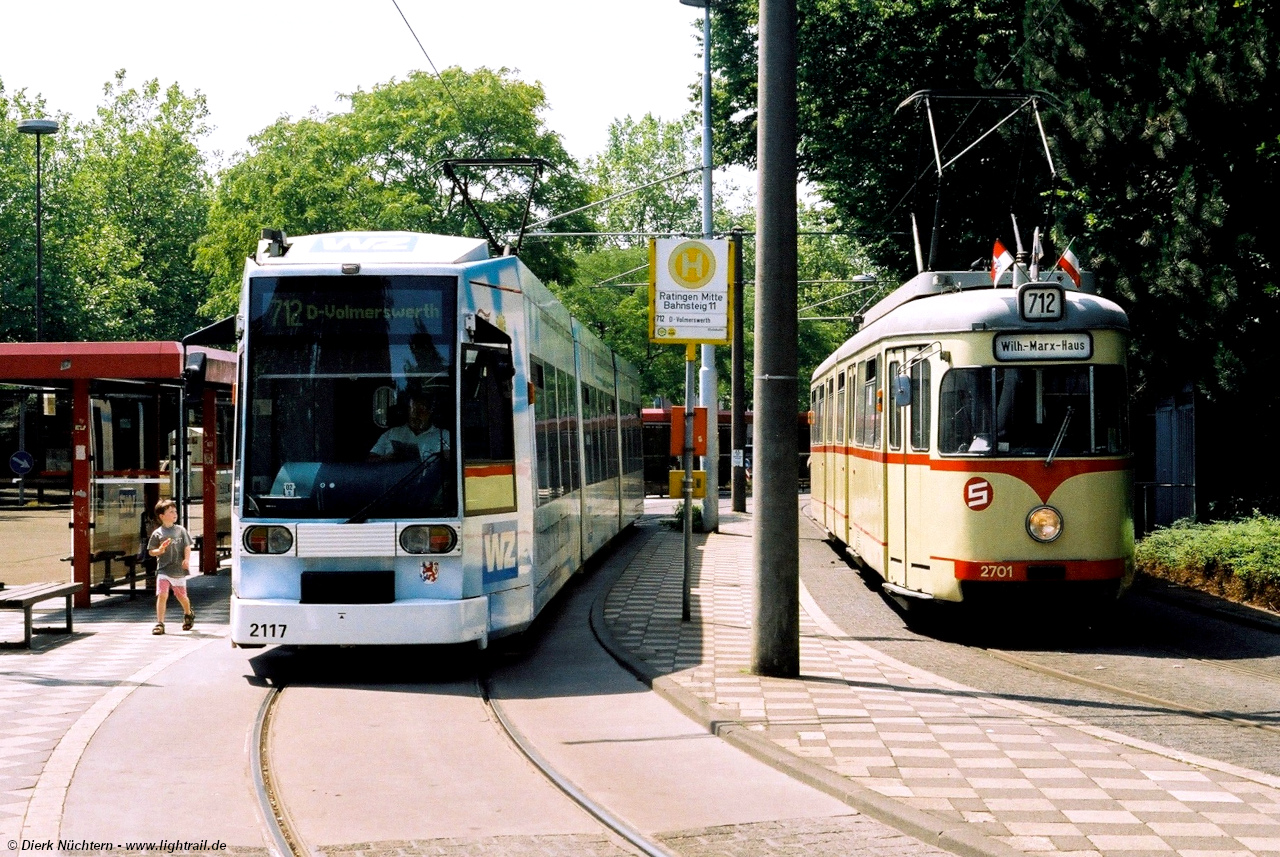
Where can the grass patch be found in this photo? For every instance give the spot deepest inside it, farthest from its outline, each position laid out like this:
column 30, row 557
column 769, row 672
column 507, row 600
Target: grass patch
column 1239, row 560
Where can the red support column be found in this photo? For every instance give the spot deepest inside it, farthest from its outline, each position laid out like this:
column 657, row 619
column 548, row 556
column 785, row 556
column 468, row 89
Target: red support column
column 209, row 421
column 81, row 495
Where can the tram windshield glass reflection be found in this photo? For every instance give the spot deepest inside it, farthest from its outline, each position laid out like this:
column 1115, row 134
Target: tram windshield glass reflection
column 333, row 363
column 1033, row 411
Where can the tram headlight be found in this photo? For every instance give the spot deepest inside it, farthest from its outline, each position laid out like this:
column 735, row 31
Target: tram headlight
column 1044, row 523
column 268, row 540
column 433, row 538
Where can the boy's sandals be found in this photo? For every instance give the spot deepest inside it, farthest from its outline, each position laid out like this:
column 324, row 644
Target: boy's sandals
column 158, row 629
column 188, row 619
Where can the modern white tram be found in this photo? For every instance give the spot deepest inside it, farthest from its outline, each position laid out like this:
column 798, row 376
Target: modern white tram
column 428, row 444
column 971, row 442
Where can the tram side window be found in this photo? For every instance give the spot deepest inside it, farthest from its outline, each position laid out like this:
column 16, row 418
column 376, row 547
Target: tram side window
column 815, row 397
column 921, row 418
column 895, row 413
column 571, row 477
column 611, row 454
column 828, row 432
column 1110, row 403
column 488, row 431
column 840, row 410
column 868, row 421
column 545, row 441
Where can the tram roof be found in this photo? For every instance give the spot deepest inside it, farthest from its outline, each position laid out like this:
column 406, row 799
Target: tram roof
column 935, row 303
column 55, row 362
column 377, row 248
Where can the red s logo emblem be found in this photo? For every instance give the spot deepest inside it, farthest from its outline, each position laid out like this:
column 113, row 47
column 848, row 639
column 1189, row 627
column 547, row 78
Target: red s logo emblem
column 978, row 494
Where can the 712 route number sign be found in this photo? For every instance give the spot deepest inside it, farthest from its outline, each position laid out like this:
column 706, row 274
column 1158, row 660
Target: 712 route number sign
column 1041, row 302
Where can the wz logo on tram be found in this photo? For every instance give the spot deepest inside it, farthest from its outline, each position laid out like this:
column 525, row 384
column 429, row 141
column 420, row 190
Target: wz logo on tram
column 365, row 244
column 498, row 552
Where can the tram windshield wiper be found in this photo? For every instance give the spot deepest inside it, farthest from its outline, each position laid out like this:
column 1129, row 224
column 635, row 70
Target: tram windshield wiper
column 1062, row 433
column 416, row 471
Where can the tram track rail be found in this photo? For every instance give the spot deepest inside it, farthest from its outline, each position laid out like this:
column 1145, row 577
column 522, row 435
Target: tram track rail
column 635, row 838
column 286, row 841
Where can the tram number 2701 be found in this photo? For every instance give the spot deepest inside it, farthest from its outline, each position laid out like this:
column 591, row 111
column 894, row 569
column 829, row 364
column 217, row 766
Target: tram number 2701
column 997, row 571
column 267, row 630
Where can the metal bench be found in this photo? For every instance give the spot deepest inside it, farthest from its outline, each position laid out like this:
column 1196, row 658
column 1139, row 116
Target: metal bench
column 26, row 597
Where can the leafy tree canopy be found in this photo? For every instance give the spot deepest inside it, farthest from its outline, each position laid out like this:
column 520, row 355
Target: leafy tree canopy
column 125, row 197
column 379, row 167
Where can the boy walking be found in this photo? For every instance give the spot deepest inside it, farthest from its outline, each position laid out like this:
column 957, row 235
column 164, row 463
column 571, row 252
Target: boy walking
column 171, row 545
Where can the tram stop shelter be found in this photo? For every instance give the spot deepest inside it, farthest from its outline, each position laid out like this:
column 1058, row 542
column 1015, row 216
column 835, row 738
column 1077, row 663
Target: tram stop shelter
column 92, row 428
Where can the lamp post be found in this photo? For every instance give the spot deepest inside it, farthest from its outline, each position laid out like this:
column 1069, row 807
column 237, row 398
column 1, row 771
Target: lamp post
column 38, row 127
column 708, row 380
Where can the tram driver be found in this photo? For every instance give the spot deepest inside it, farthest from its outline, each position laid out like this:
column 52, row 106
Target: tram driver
column 418, row 438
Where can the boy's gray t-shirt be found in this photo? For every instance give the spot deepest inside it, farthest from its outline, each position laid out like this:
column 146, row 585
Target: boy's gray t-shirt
column 169, row 563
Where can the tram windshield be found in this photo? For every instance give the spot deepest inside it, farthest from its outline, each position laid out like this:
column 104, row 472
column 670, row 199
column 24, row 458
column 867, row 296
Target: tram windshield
column 1063, row 411
column 350, row 397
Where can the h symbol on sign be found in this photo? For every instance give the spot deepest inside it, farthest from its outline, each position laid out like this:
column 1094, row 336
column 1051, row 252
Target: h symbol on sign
column 691, row 264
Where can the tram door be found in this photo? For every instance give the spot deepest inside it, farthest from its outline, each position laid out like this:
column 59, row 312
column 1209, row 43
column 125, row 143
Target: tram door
column 906, row 469
column 839, row 474
column 895, row 469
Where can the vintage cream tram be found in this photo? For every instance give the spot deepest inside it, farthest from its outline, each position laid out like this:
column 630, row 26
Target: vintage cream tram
column 971, row 442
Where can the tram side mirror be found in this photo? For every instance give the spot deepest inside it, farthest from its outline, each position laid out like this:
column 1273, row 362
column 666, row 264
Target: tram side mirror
column 902, row 391
column 193, row 371
column 504, row 367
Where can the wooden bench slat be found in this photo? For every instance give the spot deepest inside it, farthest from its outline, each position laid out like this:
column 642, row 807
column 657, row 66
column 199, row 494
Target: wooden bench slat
column 25, row 597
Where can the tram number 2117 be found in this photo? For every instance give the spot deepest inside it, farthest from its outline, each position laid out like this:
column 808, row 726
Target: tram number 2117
column 271, row 631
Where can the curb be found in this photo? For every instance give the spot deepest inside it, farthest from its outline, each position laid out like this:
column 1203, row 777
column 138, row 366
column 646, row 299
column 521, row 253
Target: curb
column 957, row 837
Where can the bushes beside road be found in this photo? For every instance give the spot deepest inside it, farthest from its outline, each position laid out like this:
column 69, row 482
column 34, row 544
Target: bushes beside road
column 1239, row 560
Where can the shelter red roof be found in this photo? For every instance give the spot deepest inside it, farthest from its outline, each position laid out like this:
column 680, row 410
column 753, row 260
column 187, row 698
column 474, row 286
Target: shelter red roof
column 66, row 361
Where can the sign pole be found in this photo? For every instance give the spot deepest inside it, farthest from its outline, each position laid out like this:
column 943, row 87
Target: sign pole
column 22, row 445
column 689, row 304
column 690, row 356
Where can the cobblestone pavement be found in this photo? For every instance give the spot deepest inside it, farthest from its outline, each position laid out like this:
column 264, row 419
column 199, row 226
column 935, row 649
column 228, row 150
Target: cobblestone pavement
column 54, row 697
column 870, row 728
column 892, row 740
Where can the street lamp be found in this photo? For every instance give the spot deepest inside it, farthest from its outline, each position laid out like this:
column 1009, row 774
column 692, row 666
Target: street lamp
column 39, row 127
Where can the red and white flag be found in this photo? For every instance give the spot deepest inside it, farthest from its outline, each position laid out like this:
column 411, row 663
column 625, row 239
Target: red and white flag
column 1001, row 261
column 1071, row 265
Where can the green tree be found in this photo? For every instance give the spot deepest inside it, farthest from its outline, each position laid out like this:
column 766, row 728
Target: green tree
column 135, row 205
column 124, row 199
column 648, row 179
column 873, row 164
column 379, row 167
column 629, row 174
column 17, row 210
column 1170, row 109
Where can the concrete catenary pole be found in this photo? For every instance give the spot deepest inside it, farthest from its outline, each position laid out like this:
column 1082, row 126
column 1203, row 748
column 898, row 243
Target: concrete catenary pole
column 775, row 645
column 738, row 436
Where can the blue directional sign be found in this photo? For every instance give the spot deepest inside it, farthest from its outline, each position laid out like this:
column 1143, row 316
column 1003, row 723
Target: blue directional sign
column 21, row 462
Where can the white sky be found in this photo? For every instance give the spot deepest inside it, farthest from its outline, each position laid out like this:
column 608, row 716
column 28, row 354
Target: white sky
column 255, row 60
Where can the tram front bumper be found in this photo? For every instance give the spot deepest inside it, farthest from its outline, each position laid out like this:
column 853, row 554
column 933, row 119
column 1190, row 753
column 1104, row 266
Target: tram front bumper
column 421, row 621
